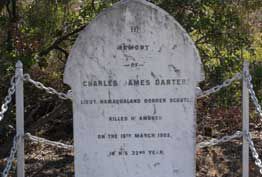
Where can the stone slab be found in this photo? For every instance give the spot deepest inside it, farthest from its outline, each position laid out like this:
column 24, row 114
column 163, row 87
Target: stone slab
column 133, row 73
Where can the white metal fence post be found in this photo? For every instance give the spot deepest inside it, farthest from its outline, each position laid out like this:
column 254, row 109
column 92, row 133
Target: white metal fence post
column 245, row 118
column 20, row 119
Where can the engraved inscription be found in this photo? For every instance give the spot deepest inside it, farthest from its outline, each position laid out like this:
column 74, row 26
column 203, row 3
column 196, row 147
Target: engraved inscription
column 133, row 74
column 133, row 47
column 135, row 29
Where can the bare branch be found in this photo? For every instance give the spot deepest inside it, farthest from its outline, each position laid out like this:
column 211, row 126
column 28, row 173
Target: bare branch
column 60, row 40
column 14, row 10
column 8, row 10
column 201, row 39
column 93, row 5
column 63, row 51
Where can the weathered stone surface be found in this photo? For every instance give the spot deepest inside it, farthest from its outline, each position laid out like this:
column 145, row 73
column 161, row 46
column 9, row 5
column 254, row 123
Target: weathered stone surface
column 133, row 72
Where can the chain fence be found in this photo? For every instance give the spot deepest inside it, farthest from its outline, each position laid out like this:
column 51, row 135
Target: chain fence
column 253, row 96
column 50, row 90
column 11, row 158
column 217, row 88
column 212, row 142
column 4, row 108
column 209, row 143
column 36, row 139
column 68, row 96
column 8, row 98
column 255, row 155
column 224, row 139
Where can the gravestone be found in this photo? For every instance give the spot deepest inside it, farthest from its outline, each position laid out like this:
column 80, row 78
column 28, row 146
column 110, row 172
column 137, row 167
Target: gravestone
column 133, row 73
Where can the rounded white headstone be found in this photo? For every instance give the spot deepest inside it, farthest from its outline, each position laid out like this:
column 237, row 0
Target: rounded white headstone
column 133, row 73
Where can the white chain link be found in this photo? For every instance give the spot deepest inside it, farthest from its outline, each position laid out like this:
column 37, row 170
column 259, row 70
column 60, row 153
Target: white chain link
column 36, row 139
column 8, row 98
column 10, row 158
column 226, row 83
column 253, row 94
column 49, row 90
column 224, row 139
column 254, row 151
